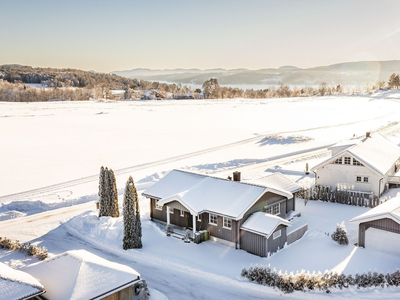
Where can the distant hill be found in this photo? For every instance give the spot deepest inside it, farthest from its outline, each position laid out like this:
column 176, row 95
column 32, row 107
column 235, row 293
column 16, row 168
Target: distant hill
column 351, row 73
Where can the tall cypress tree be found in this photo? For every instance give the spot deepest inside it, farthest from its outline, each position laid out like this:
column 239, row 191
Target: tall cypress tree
column 102, row 193
column 138, row 223
column 114, row 210
column 129, row 215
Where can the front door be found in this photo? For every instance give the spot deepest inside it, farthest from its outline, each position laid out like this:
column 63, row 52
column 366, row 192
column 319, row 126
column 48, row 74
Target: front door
column 190, row 220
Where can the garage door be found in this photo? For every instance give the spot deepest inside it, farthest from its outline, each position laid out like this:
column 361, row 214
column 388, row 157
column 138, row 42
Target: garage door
column 382, row 240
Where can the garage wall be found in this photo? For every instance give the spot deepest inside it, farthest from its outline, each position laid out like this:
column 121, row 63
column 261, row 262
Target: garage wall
column 253, row 243
column 383, row 224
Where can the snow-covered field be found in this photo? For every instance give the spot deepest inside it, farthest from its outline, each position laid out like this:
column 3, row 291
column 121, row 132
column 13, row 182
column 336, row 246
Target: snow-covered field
column 51, row 154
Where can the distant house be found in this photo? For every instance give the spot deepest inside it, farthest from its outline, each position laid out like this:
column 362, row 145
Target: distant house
column 152, row 95
column 82, row 275
column 238, row 214
column 379, row 228
column 370, row 164
column 18, row 285
column 178, row 96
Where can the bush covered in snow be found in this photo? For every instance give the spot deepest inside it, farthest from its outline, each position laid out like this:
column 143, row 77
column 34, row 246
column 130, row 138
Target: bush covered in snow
column 340, row 235
column 302, row 281
column 28, row 248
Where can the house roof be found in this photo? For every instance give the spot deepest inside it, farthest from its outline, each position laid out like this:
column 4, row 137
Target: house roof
column 81, row 275
column 263, row 223
column 200, row 193
column 18, row 285
column 279, row 181
column 390, row 209
column 376, row 152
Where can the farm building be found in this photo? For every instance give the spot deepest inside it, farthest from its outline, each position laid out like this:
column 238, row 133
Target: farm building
column 370, row 164
column 379, row 228
column 227, row 210
column 18, row 285
column 82, row 275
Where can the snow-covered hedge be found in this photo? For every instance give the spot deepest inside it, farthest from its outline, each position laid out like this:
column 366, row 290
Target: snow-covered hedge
column 28, row 248
column 302, row 281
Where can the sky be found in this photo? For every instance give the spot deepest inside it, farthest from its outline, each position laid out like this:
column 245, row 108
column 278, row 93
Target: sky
column 115, row 35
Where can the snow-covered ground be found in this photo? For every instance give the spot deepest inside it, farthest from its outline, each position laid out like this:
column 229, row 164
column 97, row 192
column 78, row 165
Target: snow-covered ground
column 51, row 154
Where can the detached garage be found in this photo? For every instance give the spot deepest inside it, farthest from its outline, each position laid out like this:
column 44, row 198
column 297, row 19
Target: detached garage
column 379, row 228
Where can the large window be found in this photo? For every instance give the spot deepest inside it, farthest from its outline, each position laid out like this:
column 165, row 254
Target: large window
column 213, row 219
column 347, row 160
column 274, row 209
column 227, row 223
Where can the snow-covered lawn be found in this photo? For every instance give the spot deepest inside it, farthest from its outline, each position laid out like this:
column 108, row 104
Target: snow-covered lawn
column 51, row 154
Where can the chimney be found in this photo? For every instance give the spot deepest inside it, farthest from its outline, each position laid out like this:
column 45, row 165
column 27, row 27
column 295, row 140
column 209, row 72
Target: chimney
column 236, row 176
column 368, row 134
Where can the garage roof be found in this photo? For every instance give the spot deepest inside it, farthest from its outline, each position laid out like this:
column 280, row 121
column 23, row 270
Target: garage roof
column 263, row 224
column 390, row 209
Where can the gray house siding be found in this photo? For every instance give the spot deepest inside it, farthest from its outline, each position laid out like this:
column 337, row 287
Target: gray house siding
column 266, row 199
column 383, row 224
column 290, row 205
column 253, row 243
column 278, row 243
column 219, row 231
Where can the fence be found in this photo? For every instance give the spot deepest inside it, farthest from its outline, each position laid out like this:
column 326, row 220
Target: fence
column 349, row 197
column 296, row 234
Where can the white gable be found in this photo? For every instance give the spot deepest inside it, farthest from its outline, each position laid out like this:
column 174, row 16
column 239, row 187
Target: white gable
column 80, row 275
column 15, row 284
column 204, row 193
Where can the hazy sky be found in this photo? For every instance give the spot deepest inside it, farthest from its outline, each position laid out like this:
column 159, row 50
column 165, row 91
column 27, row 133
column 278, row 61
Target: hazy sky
column 116, row 35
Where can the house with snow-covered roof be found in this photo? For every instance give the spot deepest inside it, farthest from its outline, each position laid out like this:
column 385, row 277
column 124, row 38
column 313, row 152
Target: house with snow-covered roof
column 379, row 228
column 18, row 285
column 224, row 209
column 370, row 165
column 81, row 275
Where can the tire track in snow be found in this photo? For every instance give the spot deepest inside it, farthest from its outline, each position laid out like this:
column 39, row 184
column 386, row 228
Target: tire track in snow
column 91, row 178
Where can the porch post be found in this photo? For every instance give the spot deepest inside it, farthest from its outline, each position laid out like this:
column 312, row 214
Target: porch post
column 194, row 226
column 168, row 221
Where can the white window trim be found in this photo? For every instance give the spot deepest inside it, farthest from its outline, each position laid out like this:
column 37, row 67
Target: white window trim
column 209, row 219
column 271, row 207
column 223, row 223
column 360, row 178
column 199, row 218
column 158, row 207
column 277, row 234
column 347, row 158
column 364, row 179
column 182, row 213
column 171, row 211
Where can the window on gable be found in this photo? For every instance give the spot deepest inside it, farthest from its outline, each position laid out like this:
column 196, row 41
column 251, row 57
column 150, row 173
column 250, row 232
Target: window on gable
column 338, row 161
column 365, row 179
column 213, row 219
column 274, row 209
column 227, row 223
column 358, row 178
column 276, row 234
column 356, row 162
column 347, row 160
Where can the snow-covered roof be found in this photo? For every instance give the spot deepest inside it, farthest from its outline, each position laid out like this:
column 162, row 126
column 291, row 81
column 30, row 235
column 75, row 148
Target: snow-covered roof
column 263, row 223
column 390, row 209
column 81, row 275
column 200, row 193
column 279, row 181
column 376, row 152
column 16, row 285
column 345, row 144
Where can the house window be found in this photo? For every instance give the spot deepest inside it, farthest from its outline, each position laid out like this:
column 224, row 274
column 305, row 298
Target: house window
column 347, row 160
column 182, row 214
column 276, row 234
column 227, row 223
column 365, row 179
column 338, row 161
column 213, row 219
column 356, row 162
column 171, row 211
column 199, row 218
column 274, row 209
column 159, row 207
column 358, row 178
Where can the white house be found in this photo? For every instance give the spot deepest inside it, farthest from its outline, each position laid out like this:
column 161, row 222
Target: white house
column 370, row 164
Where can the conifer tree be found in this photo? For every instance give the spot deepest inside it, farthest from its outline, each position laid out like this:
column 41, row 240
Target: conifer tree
column 129, row 215
column 113, row 195
column 102, row 193
column 138, row 223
